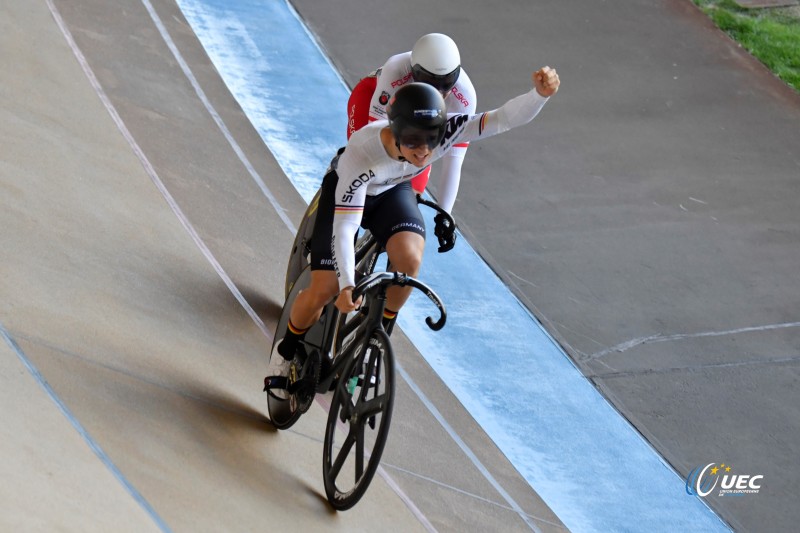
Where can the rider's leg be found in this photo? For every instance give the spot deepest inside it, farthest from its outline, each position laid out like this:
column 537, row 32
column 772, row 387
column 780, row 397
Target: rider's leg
column 307, row 309
column 324, row 286
column 405, row 254
column 394, row 218
column 308, row 305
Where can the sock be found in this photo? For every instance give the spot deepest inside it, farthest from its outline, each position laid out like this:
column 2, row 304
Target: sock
column 291, row 341
column 389, row 317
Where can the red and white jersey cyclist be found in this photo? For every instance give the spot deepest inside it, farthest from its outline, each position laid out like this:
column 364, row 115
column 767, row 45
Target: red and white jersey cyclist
column 434, row 60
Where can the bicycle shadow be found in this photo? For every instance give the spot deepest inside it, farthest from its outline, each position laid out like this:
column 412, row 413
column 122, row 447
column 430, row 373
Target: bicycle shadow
column 207, row 297
column 320, row 495
column 236, row 416
column 228, row 409
column 267, row 309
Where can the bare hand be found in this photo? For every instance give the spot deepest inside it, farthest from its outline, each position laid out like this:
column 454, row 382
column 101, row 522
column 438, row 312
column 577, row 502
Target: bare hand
column 345, row 303
column 546, row 81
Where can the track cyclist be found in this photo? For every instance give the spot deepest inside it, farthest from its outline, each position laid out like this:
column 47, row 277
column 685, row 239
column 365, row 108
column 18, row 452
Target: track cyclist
column 434, row 60
column 368, row 185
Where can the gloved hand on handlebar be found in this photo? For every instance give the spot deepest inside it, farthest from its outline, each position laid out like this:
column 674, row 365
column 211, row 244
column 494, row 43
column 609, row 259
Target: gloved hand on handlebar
column 445, row 232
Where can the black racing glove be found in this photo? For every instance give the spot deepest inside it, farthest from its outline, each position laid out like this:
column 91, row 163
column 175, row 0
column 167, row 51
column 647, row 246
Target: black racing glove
column 445, row 232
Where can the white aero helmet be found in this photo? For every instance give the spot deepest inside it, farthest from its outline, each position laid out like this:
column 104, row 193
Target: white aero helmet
column 435, row 60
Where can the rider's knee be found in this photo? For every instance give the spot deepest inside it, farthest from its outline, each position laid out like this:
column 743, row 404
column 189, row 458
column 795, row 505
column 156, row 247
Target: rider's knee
column 408, row 260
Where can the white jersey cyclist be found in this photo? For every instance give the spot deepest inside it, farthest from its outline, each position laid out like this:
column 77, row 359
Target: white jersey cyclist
column 365, row 169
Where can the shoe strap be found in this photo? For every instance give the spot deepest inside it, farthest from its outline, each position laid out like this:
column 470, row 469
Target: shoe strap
column 281, row 382
column 276, row 382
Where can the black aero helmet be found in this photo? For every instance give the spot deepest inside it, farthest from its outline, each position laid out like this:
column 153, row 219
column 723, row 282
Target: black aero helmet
column 417, row 115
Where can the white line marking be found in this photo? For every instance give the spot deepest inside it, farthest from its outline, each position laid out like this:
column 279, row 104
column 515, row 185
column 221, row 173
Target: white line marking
column 627, row 345
column 468, row 494
column 672, row 370
column 466, row 449
column 213, row 112
column 93, row 445
column 532, row 284
column 151, row 171
column 407, row 500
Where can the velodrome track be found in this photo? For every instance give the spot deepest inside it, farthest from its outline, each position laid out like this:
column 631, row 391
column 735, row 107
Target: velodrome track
column 123, row 308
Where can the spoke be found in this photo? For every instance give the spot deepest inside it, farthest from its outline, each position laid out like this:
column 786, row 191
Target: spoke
column 341, row 457
column 370, row 371
column 371, row 407
column 359, row 431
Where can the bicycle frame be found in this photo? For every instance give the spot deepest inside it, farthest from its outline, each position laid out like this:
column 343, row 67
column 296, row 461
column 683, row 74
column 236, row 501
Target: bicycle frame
column 339, row 337
column 334, row 330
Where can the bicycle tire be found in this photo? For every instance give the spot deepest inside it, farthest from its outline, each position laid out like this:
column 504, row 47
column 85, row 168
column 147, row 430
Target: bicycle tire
column 281, row 412
column 299, row 254
column 347, row 440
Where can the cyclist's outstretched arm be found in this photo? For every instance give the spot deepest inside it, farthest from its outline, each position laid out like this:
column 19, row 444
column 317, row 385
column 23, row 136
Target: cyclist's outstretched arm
column 514, row 113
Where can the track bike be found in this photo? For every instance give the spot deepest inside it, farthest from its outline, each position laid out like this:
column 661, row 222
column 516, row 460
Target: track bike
column 350, row 355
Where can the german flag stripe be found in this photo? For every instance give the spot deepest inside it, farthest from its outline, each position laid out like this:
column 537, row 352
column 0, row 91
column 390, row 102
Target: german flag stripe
column 294, row 329
column 347, row 210
column 482, row 124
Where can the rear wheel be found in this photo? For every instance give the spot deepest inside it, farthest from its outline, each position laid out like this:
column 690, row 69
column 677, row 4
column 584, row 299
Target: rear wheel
column 299, row 255
column 358, row 422
column 284, row 413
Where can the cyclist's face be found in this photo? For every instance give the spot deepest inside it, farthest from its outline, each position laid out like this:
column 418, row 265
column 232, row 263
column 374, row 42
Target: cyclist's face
column 418, row 155
column 417, row 145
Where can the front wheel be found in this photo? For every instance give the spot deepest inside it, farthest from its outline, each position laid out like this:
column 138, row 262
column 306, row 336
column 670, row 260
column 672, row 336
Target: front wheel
column 358, row 422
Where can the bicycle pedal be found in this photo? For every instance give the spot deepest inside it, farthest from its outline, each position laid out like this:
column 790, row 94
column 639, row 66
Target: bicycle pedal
column 275, row 382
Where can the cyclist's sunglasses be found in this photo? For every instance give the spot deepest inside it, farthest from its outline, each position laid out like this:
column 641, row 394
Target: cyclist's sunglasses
column 418, row 138
column 442, row 83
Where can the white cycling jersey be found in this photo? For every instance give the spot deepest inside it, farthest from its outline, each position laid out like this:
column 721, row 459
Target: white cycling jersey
column 365, row 168
column 461, row 99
